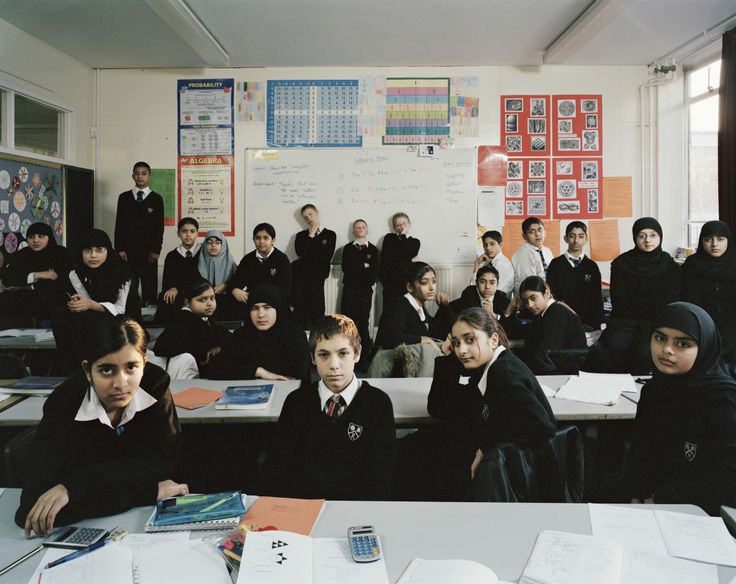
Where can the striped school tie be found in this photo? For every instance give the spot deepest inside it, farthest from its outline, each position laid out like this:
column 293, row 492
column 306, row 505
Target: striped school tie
column 544, row 262
column 334, row 407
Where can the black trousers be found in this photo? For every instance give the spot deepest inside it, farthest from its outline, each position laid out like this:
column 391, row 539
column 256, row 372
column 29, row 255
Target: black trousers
column 309, row 300
column 146, row 273
column 356, row 303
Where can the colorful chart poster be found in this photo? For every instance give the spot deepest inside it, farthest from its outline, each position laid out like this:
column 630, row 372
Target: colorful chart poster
column 30, row 191
column 464, row 105
column 205, row 114
column 417, row 110
column 250, row 102
column 576, row 125
column 163, row 181
column 206, row 192
column 311, row 113
column 372, row 105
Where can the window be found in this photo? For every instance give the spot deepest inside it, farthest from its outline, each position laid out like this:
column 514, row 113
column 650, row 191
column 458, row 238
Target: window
column 36, row 127
column 702, row 103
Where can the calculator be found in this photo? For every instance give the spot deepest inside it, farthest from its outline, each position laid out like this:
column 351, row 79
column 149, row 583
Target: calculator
column 76, row 537
column 364, row 544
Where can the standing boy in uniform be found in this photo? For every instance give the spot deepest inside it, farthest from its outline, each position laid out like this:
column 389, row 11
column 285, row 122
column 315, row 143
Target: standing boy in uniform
column 532, row 258
column 314, row 246
column 335, row 438
column 575, row 279
column 398, row 252
column 139, row 232
column 359, row 270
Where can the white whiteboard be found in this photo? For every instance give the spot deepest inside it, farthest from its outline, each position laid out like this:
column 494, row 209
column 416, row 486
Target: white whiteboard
column 438, row 194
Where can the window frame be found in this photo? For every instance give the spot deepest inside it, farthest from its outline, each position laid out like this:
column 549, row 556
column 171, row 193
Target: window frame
column 8, row 91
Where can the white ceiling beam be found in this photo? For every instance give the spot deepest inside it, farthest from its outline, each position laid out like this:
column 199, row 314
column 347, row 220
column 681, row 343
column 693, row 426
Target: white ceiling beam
column 185, row 23
column 584, row 28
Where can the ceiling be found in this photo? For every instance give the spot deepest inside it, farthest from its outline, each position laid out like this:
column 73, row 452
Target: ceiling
column 298, row 33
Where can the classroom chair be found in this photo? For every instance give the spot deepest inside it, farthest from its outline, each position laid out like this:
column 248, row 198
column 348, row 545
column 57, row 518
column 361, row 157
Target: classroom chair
column 551, row 473
column 12, row 367
column 568, row 361
column 16, row 456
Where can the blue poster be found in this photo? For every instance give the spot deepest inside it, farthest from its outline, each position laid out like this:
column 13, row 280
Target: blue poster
column 205, row 117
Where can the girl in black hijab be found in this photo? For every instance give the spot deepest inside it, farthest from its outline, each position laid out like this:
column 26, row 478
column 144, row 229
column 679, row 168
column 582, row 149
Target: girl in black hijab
column 684, row 449
column 267, row 346
column 39, row 271
column 643, row 280
column 709, row 280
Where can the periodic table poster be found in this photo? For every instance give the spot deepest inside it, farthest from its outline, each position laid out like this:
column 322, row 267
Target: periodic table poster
column 313, row 113
column 555, row 164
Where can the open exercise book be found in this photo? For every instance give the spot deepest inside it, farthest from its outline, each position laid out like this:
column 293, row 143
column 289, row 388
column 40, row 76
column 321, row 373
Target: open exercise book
column 421, row 571
column 283, row 557
column 144, row 559
column 597, row 388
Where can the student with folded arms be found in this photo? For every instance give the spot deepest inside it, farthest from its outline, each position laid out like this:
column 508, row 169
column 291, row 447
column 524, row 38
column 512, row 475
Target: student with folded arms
column 267, row 346
column 493, row 256
column 556, row 327
column 684, row 447
column 397, row 253
column 109, row 438
column 335, row 438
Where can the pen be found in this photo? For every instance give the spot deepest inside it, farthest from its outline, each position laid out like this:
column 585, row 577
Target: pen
column 22, row 559
column 78, row 554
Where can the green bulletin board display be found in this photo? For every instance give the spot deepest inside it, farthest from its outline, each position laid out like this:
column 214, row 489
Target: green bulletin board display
column 30, row 191
column 163, row 181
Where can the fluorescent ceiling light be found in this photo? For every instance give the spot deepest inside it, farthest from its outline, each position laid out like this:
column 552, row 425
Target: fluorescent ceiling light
column 185, row 23
column 586, row 26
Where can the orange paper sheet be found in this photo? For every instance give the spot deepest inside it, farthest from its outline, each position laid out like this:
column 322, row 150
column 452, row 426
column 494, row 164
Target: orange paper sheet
column 195, row 397
column 513, row 239
column 492, row 162
column 617, row 196
column 295, row 515
column 604, row 240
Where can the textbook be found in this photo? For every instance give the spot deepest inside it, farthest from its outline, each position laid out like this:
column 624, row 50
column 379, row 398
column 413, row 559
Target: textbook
column 196, row 397
column 295, row 515
column 246, row 397
column 197, row 512
column 33, row 385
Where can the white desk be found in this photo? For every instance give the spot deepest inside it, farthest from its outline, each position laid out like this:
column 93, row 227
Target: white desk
column 409, row 398
column 499, row 535
column 29, row 343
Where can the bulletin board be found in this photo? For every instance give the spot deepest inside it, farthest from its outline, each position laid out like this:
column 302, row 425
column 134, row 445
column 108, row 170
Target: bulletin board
column 30, row 191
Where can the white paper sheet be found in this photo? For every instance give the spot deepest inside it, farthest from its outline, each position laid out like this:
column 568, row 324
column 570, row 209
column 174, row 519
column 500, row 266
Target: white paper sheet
column 420, row 571
column 633, row 529
column 136, row 541
column 333, row 564
column 704, row 539
column 111, row 564
column 275, row 557
column 548, row 391
column 623, row 380
column 644, row 568
column 490, row 205
column 569, row 558
column 578, row 389
column 190, row 562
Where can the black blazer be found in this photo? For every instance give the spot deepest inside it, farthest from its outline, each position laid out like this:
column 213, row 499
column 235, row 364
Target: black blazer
column 188, row 333
column 560, row 328
column 400, row 323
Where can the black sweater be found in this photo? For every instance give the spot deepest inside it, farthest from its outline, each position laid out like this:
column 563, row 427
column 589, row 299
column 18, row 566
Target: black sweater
column 400, row 323
column 396, row 255
column 513, row 409
column 470, row 299
column 315, row 253
column 139, row 226
column 351, row 457
column 240, row 358
column 684, row 450
column 714, row 293
column 359, row 266
column 558, row 329
column 579, row 288
column 639, row 296
column 49, row 293
column 105, row 473
column 275, row 270
column 188, row 333
column 180, row 271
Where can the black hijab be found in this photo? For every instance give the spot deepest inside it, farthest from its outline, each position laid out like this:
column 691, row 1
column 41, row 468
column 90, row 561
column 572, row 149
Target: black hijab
column 706, row 375
column 722, row 268
column 53, row 256
column 266, row 342
column 638, row 262
column 104, row 282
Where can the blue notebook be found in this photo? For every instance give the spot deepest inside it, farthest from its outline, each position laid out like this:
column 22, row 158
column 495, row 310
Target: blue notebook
column 34, row 385
column 246, row 397
column 197, row 512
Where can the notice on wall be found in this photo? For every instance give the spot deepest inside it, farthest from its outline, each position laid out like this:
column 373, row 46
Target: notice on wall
column 617, row 194
column 251, row 104
column 206, row 188
column 604, row 240
column 464, row 105
column 163, row 181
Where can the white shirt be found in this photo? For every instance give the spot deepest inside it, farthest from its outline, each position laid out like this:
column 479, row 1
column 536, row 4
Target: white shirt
column 484, row 378
column 505, row 273
column 183, row 250
column 549, row 303
column 92, row 409
column 571, row 260
column 526, row 262
column 146, row 192
column 262, row 257
column 114, row 308
column 204, row 318
column 416, row 306
column 347, row 394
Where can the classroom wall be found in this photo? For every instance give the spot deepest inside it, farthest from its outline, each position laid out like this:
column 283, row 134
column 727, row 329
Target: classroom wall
column 138, row 121
column 30, row 66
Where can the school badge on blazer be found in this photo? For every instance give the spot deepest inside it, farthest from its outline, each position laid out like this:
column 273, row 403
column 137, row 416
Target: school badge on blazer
column 588, row 277
column 150, row 210
column 354, row 431
column 273, row 271
column 690, row 451
column 485, row 412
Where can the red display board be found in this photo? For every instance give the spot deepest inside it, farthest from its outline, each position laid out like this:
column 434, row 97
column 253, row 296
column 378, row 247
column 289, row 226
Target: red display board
column 525, row 125
column 576, row 125
column 576, row 185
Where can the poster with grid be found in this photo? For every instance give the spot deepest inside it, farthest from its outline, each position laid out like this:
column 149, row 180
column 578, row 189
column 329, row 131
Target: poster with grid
column 417, row 110
column 313, row 113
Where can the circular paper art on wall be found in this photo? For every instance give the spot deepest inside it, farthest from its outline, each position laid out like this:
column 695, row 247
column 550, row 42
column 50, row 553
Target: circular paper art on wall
column 19, row 201
column 11, row 242
column 4, row 179
column 55, row 209
column 22, row 245
column 23, row 174
column 2, row 226
column 25, row 224
column 38, row 207
column 14, row 222
column 58, row 228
